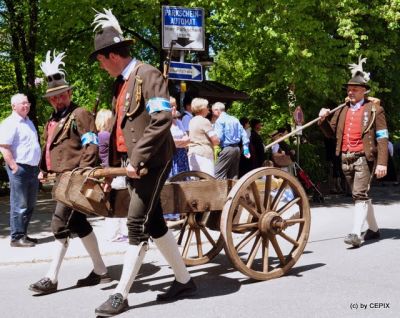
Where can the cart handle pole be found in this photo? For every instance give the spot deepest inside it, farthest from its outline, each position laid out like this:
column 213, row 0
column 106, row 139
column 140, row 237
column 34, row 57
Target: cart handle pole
column 114, row 172
column 302, row 127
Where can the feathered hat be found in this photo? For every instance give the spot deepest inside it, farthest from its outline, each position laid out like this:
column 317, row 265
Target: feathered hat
column 55, row 74
column 359, row 77
column 109, row 34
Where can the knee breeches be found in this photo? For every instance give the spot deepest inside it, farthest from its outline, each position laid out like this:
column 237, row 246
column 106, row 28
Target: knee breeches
column 67, row 221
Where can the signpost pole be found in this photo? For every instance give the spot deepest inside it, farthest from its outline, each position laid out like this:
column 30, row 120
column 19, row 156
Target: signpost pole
column 182, row 93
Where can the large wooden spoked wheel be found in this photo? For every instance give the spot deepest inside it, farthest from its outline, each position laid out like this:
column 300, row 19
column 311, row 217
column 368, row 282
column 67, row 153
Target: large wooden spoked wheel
column 198, row 244
column 265, row 223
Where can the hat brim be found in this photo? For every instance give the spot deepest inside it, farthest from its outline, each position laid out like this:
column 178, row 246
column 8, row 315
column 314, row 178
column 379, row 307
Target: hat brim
column 356, row 84
column 57, row 91
column 93, row 55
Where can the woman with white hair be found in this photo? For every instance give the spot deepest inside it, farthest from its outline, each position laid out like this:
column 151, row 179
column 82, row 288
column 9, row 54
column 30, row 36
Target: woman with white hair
column 203, row 138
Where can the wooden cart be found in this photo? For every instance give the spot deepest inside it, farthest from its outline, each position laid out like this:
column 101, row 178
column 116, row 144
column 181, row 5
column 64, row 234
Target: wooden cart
column 261, row 220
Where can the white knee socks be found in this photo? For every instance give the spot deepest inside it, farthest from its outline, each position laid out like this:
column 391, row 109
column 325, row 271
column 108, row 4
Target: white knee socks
column 372, row 225
column 169, row 249
column 133, row 260
column 90, row 243
column 60, row 249
column 360, row 214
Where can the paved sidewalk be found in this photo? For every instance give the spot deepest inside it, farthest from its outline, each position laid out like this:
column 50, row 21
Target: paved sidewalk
column 40, row 228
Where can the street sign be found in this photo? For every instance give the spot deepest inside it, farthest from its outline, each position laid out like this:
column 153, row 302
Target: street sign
column 185, row 71
column 185, row 26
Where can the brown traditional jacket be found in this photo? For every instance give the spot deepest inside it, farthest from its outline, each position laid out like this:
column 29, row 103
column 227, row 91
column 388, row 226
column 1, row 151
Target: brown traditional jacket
column 66, row 150
column 147, row 134
column 374, row 148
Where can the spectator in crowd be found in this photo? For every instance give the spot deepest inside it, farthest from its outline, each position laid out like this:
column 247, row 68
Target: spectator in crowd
column 282, row 155
column 231, row 135
column 21, row 151
column 202, row 139
column 180, row 161
column 245, row 164
column 103, row 125
column 362, row 141
column 245, row 122
column 188, row 113
column 70, row 142
column 141, row 137
column 256, row 144
column 116, row 227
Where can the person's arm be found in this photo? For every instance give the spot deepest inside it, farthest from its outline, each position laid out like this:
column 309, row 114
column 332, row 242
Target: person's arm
column 245, row 142
column 382, row 136
column 9, row 158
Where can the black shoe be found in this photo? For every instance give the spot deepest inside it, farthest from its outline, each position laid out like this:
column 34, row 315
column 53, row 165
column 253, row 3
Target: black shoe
column 113, row 306
column 44, row 286
column 371, row 235
column 31, row 239
column 22, row 242
column 178, row 291
column 93, row 279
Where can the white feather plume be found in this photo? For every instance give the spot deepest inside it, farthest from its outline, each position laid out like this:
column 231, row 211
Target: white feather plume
column 106, row 19
column 357, row 68
column 53, row 67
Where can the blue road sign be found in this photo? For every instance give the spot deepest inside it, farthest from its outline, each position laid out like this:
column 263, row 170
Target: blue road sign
column 185, row 71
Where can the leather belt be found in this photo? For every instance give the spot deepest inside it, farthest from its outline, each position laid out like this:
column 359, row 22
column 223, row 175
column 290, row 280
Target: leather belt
column 353, row 155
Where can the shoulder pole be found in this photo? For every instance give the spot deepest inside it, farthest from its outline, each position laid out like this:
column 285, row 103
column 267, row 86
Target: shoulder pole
column 302, row 127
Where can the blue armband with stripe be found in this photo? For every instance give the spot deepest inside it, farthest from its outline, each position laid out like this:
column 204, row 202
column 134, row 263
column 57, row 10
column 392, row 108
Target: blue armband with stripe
column 158, row 104
column 383, row 133
column 89, row 138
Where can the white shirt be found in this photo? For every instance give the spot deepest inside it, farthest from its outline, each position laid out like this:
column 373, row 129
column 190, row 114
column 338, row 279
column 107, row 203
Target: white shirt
column 21, row 135
column 128, row 69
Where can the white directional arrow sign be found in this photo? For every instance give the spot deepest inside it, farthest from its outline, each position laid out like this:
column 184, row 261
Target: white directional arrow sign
column 185, row 71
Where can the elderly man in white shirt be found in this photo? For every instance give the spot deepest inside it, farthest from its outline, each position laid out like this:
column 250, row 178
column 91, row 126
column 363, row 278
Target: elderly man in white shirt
column 20, row 148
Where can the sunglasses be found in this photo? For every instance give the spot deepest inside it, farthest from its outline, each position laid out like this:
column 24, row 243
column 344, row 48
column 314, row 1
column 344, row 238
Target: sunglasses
column 54, row 77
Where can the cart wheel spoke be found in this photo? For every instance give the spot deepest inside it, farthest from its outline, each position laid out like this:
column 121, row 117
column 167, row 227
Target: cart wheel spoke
column 248, row 207
column 277, row 249
column 208, row 236
column 288, row 205
column 278, row 196
column 187, row 243
column 254, row 250
column 295, row 221
column 288, row 238
column 265, row 255
column 198, row 243
column 257, row 199
column 246, row 240
column 242, row 227
column 267, row 192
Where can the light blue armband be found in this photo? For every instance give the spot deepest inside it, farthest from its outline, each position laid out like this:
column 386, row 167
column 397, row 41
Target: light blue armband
column 158, row 104
column 89, row 138
column 383, row 133
column 245, row 150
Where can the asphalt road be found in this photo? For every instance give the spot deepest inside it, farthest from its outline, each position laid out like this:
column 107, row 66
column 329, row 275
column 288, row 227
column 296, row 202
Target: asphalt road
column 329, row 280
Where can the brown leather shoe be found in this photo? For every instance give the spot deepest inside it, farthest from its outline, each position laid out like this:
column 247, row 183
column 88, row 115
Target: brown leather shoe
column 44, row 286
column 93, row 279
column 22, row 242
column 114, row 305
column 178, row 291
